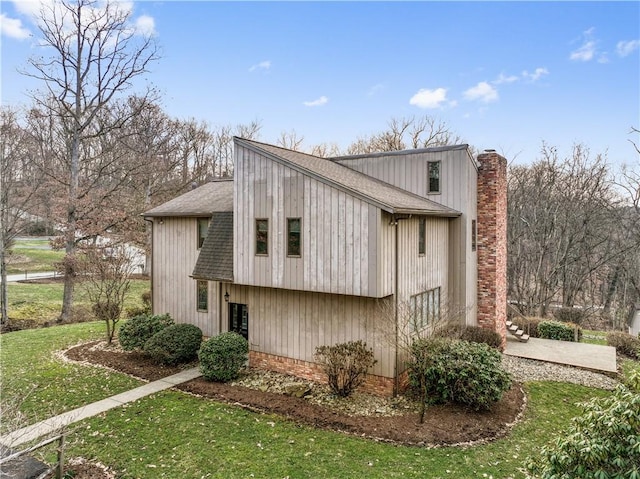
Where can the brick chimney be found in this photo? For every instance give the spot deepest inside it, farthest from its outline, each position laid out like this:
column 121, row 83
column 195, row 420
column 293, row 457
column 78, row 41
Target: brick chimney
column 492, row 242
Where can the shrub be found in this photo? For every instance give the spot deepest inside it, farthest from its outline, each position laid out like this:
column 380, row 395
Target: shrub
column 140, row 310
column 223, row 356
column 559, row 331
column 443, row 370
column 345, row 365
column 175, row 344
column 529, row 325
column 624, row 343
column 569, row 315
column 601, row 443
column 139, row 329
column 473, row 334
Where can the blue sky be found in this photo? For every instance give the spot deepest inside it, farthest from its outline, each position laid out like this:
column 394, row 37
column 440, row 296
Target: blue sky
column 502, row 75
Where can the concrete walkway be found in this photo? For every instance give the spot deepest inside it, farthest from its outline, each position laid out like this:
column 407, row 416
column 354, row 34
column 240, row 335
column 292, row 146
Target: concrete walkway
column 24, row 276
column 54, row 424
column 587, row 356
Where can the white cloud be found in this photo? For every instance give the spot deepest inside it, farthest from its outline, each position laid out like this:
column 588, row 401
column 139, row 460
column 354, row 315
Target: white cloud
column 264, row 65
column 502, row 78
column 375, row 89
column 426, row 98
column 12, row 28
column 323, row 100
column 587, row 50
column 482, row 92
column 536, row 75
column 625, row 48
column 145, row 25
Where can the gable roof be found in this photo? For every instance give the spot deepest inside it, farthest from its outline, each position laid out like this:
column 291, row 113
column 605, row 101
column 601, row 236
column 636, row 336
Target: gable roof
column 383, row 195
column 214, row 196
column 215, row 261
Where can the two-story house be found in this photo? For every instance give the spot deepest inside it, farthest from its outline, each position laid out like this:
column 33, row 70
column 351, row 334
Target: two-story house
column 299, row 251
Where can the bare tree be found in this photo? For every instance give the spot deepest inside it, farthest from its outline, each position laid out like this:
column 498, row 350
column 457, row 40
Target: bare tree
column 96, row 56
column 290, row 140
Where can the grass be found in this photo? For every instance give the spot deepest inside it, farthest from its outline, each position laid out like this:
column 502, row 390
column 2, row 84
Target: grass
column 594, row 337
column 43, row 302
column 172, row 434
column 32, row 255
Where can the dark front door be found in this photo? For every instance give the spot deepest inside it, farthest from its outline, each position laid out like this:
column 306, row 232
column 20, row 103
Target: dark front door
column 239, row 319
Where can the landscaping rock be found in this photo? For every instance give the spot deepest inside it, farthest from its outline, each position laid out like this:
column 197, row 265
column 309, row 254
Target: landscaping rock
column 297, row 390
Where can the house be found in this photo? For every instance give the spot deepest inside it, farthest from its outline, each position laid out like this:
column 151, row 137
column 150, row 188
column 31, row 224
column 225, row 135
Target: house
column 299, row 251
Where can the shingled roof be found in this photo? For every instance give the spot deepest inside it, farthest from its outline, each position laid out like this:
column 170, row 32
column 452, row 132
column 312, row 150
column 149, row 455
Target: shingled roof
column 383, row 195
column 214, row 196
column 215, row 261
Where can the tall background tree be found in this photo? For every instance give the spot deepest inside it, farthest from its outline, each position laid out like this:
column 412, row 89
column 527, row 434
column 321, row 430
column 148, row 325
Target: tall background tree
column 92, row 56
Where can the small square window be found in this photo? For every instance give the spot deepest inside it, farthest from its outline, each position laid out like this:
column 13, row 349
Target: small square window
column 434, row 176
column 203, row 228
column 203, row 295
column 262, row 237
column 422, row 236
column 293, row 236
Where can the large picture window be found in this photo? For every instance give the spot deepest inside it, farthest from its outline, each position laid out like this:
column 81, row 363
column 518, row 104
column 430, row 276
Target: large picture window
column 422, row 236
column 434, row 176
column 203, row 228
column 293, row 236
column 203, row 295
column 425, row 309
column 262, row 237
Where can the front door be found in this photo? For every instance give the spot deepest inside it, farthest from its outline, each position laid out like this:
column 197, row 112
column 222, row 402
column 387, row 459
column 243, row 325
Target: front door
column 239, row 319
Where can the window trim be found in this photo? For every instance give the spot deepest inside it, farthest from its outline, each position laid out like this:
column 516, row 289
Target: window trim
column 199, row 284
column 439, row 189
column 201, row 238
column 266, row 240
column 422, row 236
column 289, row 253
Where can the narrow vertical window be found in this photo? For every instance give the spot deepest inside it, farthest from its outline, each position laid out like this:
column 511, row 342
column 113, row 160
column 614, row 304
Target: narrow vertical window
column 293, row 236
column 434, row 176
column 422, row 236
column 203, row 295
column 473, row 235
column 203, row 227
column 262, row 237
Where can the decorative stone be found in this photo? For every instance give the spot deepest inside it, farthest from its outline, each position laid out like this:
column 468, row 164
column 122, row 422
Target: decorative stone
column 297, row 390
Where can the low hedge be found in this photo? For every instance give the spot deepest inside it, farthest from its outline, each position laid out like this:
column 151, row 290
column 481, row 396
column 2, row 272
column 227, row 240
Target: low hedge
column 223, row 356
column 624, row 343
column 558, row 331
column 139, row 329
column 175, row 344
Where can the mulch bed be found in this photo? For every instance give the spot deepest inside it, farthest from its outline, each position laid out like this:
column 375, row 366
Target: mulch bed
column 444, row 425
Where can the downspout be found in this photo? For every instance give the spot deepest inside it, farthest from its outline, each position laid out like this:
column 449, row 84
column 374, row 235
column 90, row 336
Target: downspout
column 396, row 377
column 150, row 221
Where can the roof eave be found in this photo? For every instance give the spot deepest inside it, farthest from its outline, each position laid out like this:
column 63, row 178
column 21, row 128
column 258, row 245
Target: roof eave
column 418, row 212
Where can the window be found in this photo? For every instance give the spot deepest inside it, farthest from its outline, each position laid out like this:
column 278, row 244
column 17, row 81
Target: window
column 434, row 176
column 293, row 236
column 262, row 237
column 422, row 236
column 203, row 295
column 473, row 235
column 203, row 227
column 425, row 309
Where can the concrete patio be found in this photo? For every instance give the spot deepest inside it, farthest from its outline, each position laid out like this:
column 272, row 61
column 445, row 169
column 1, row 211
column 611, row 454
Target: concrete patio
column 582, row 355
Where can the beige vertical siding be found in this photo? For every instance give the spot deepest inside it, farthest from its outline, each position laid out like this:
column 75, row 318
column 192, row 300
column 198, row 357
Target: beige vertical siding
column 339, row 231
column 458, row 186
column 174, row 255
column 293, row 323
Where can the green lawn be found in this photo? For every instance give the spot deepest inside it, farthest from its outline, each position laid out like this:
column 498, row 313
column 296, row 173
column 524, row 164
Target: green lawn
column 173, row 434
column 42, row 302
column 594, row 337
column 28, row 255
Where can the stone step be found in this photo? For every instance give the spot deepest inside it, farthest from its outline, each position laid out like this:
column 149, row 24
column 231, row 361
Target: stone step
column 524, row 338
column 509, row 323
column 513, row 328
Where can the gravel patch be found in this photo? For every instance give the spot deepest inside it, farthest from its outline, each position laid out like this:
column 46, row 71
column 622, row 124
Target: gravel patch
column 522, row 370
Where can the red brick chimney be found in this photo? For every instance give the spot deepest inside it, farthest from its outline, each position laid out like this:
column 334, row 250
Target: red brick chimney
column 492, row 242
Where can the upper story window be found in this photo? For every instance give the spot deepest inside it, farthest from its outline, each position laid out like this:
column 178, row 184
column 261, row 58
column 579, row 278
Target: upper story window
column 262, row 237
column 293, row 236
column 474, row 235
column 422, row 236
column 203, row 227
column 433, row 168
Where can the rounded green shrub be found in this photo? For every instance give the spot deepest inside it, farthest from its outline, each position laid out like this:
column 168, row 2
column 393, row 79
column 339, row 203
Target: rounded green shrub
column 175, row 344
column 444, row 370
column 624, row 343
column 223, row 356
column 603, row 442
column 558, row 331
column 139, row 329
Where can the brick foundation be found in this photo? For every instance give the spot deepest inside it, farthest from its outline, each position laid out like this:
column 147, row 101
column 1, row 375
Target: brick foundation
column 378, row 385
column 492, row 242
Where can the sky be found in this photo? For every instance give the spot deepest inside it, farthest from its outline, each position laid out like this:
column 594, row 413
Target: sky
column 502, row 75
